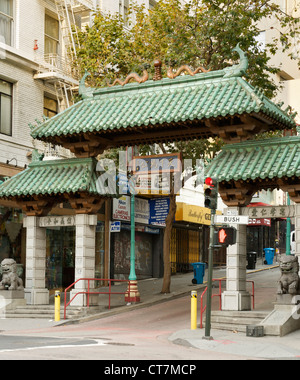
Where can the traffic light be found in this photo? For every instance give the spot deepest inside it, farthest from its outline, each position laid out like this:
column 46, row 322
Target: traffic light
column 226, row 235
column 211, row 193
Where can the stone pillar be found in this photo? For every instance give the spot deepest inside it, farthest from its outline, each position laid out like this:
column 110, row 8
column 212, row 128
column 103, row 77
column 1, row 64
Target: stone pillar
column 236, row 296
column 35, row 287
column 297, row 230
column 84, row 258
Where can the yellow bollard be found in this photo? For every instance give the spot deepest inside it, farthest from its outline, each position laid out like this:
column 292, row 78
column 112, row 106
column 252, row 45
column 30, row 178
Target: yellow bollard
column 57, row 306
column 193, row 310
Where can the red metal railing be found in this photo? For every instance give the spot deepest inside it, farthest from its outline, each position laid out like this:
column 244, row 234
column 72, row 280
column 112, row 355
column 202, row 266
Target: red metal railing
column 219, row 294
column 88, row 292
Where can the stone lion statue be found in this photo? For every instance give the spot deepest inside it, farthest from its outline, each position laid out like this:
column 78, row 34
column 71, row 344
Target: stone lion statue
column 289, row 280
column 10, row 278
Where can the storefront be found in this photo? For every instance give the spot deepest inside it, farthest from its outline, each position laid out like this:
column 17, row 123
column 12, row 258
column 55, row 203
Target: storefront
column 60, row 262
column 260, row 235
column 60, row 252
column 261, row 232
column 190, row 238
column 186, row 247
column 150, row 218
column 148, row 251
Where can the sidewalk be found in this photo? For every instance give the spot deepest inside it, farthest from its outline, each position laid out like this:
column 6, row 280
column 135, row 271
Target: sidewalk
column 231, row 342
column 226, row 342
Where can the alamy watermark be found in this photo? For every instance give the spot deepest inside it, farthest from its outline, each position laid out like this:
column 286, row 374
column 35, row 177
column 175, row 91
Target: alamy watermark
column 153, row 175
column 296, row 308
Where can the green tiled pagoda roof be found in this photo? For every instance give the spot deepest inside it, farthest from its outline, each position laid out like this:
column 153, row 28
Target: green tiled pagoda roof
column 257, row 159
column 199, row 97
column 52, row 178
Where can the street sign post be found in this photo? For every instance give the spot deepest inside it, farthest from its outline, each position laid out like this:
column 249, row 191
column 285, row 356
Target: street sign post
column 210, row 201
column 228, row 219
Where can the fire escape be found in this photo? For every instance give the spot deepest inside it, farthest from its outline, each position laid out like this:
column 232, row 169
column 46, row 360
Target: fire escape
column 58, row 69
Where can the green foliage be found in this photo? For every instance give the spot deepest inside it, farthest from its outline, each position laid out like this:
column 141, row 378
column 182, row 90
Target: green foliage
column 197, row 33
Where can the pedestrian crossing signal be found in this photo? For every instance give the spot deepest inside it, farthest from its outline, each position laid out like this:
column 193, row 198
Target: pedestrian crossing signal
column 226, row 235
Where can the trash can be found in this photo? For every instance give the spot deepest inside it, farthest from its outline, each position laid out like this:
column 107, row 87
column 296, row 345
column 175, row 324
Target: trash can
column 269, row 255
column 199, row 272
column 251, row 258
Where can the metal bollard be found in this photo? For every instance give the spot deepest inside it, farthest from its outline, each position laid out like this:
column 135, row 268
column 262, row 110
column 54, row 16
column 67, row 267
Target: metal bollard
column 193, row 310
column 57, row 306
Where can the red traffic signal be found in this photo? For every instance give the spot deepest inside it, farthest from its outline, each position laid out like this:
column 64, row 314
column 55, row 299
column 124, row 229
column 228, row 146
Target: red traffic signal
column 210, row 181
column 211, row 193
column 226, row 235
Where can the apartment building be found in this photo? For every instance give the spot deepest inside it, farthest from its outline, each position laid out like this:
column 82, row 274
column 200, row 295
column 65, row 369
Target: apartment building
column 288, row 61
column 36, row 81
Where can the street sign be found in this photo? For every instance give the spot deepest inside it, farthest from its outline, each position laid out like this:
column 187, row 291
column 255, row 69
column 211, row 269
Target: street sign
column 115, row 227
column 227, row 219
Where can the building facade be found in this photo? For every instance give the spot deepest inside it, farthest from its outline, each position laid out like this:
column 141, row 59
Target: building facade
column 36, row 81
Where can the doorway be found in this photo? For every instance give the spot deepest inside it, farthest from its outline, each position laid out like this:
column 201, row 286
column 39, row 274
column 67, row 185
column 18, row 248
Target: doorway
column 60, row 258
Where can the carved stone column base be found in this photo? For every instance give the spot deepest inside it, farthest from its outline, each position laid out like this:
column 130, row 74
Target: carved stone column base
column 236, row 300
column 132, row 295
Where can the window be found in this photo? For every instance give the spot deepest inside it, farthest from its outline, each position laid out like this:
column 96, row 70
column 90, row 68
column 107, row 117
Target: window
column 261, row 41
column 5, row 108
column 283, row 6
column 50, row 107
column 6, row 21
column 51, row 35
column 152, row 4
column 123, row 10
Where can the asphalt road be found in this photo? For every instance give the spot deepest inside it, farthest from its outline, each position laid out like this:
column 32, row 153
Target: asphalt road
column 137, row 335
column 140, row 334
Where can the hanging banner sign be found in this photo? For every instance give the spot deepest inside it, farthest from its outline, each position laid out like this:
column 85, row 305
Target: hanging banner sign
column 159, row 209
column 153, row 173
column 162, row 163
column 121, row 208
column 260, row 222
column 141, row 211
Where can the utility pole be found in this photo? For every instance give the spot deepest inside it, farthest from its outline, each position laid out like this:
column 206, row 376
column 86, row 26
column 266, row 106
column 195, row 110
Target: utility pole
column 210, row 276
column 210, row 201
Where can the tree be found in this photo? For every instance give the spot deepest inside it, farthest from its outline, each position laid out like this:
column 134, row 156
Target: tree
column 197, row 33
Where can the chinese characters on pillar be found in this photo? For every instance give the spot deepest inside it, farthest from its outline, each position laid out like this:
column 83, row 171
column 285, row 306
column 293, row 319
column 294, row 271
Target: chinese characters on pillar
column 57, row 221
column 269, row 212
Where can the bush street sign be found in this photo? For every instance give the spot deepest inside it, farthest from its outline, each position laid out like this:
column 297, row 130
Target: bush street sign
column 228, row 219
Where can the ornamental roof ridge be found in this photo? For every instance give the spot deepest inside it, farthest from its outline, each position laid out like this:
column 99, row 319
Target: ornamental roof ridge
column 172, row 77
column 257, row 143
